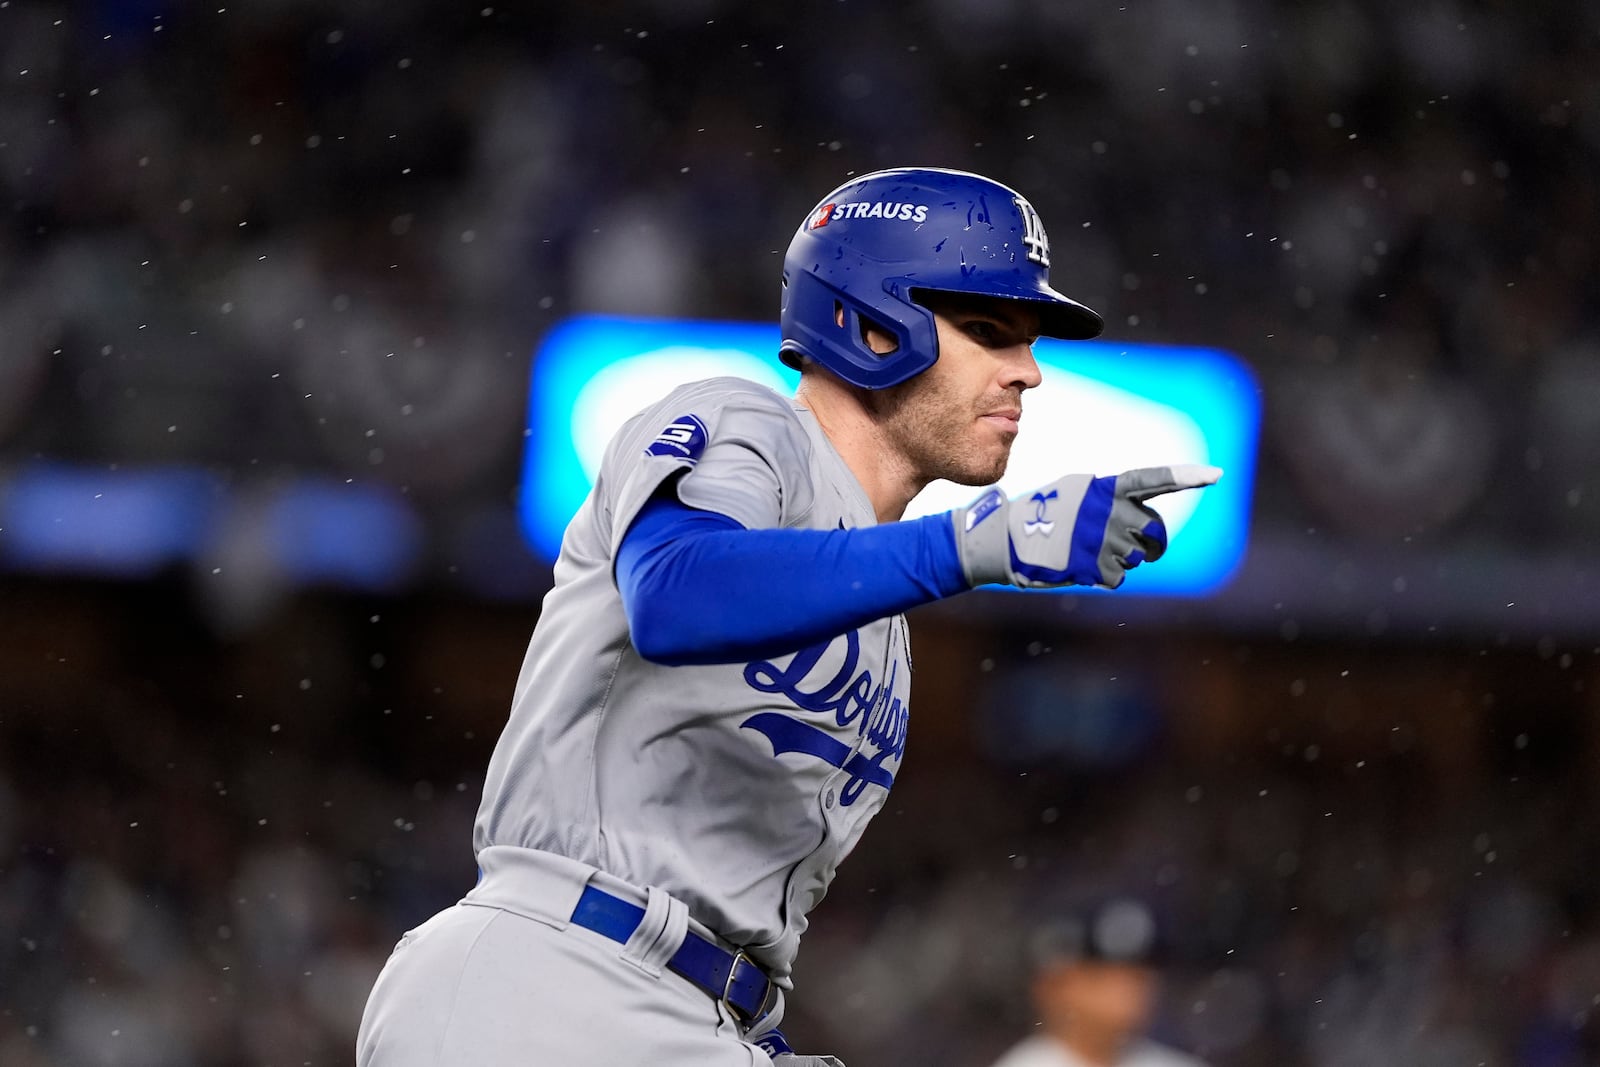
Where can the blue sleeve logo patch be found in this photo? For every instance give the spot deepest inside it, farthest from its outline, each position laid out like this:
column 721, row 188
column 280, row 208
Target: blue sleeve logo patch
column 685, row 439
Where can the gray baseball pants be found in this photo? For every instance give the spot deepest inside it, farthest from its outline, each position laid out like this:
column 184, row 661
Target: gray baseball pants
column 503, row 979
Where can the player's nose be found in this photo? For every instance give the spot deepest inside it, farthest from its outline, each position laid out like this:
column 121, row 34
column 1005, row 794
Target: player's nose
column 1020, row 370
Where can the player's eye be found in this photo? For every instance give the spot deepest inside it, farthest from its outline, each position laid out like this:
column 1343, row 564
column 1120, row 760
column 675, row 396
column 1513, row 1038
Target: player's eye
column 983, row 331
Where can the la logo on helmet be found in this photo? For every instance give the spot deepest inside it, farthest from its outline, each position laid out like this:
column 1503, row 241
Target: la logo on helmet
column 1033, row 233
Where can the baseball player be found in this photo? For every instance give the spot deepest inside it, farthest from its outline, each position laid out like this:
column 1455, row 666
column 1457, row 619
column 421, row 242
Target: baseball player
column 716, row 698
column 1095, row 976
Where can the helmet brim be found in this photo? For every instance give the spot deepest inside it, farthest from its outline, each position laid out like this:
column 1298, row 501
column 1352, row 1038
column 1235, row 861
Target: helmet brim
column 1059, row 315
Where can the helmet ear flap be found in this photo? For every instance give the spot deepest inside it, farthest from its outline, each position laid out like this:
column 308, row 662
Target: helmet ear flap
column 828, row 325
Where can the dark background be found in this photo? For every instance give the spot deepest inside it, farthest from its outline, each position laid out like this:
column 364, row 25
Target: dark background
column 312, row 244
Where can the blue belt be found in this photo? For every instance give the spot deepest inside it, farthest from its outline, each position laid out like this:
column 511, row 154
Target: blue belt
column 729, row 977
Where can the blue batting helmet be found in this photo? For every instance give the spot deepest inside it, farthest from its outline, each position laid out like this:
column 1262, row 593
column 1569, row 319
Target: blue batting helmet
column 877, row 240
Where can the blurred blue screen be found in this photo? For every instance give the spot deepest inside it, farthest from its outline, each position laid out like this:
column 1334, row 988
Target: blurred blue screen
column 1104, row 407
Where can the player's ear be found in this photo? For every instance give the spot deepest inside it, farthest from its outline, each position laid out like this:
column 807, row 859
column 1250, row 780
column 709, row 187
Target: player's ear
column 873, row 335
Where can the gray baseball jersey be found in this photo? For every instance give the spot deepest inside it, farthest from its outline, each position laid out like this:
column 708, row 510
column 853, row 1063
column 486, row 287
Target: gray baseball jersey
column 737, row 788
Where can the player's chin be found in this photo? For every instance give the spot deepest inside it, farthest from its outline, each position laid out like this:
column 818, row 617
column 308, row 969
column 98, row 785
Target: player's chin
column 985, row 467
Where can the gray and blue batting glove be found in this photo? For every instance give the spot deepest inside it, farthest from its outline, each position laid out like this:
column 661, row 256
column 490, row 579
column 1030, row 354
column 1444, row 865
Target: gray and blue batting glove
column 1078, row 530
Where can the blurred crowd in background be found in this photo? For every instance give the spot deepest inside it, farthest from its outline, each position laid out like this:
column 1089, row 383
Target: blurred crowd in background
column 271, row 239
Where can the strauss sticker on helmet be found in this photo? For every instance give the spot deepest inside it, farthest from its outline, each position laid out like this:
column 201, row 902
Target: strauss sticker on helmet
column 871, row 209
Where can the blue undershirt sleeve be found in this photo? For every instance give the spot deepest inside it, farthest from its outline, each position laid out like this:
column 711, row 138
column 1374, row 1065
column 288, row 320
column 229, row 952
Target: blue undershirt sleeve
column 697, row 587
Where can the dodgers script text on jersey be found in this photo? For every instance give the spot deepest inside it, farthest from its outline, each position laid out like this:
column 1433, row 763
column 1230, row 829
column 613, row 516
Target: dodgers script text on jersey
column 844, row 700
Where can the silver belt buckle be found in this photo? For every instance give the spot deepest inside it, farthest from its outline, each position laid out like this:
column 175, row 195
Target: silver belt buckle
column 727, row 987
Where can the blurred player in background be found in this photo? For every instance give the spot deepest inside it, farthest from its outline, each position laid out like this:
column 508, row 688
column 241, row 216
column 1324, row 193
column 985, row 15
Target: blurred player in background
column 1095, row 983
column 717, row 695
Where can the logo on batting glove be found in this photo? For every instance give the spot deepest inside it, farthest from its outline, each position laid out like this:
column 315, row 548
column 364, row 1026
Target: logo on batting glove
column 1039, row 524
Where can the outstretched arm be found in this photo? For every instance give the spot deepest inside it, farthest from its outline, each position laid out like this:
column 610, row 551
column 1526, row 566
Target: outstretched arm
column 700, row 588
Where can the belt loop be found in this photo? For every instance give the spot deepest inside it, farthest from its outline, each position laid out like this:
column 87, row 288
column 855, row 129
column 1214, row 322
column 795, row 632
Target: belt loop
column 659, row 934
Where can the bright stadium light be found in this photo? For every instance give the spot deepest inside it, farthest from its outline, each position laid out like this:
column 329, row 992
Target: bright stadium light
column 1104, row 407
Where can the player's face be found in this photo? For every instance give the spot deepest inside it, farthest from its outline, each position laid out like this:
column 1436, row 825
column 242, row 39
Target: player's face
column 1099, row 997
column 958, row 418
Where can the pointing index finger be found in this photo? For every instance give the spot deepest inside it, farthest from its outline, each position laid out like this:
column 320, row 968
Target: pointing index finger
column 1146, row 482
